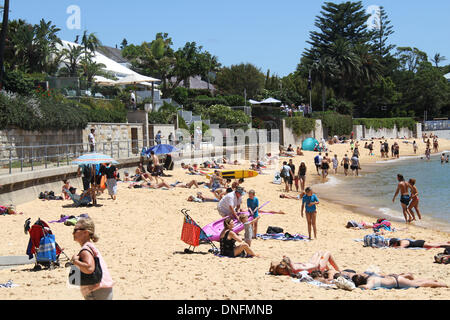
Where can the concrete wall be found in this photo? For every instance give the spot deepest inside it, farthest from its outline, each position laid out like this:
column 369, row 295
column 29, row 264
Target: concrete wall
column 288, row 137
column 166, row 129
column 369, row 133
column 14, row 137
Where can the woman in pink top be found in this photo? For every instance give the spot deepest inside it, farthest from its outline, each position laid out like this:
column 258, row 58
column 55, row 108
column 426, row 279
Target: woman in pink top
column 83, row 233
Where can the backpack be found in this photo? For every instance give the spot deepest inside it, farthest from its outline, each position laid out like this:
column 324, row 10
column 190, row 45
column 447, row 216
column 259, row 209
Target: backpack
column 283, row 172
column 272, row 230
column 374, row 241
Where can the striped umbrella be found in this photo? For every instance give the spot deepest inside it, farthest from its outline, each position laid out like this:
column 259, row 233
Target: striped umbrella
column 94, row 158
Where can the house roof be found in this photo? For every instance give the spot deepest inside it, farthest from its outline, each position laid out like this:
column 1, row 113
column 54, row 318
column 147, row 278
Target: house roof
column 112, row 53
column 195, row 83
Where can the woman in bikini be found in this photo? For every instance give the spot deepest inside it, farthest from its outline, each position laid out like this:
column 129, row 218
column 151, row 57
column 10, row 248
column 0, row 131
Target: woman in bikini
column 394, row 281
column 414, row 204
column 319, row 261
column 408, row 243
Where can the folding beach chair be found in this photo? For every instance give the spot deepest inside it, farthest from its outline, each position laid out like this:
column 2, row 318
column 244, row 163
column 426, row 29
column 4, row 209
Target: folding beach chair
column 193, row 235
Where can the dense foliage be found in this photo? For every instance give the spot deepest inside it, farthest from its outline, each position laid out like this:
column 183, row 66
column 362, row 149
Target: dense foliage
column 43, row 111
column 335, row 123
column 388, row 123
column 301, row 125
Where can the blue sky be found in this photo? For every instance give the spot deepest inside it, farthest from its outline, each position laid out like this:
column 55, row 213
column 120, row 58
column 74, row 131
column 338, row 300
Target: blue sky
column 268, row 33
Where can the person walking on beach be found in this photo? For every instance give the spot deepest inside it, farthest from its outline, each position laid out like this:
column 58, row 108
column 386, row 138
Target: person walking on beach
column 286, row 173
column 318, row 162
column 309, row 201
column 414, row 199
column 355, row 164
column 291, row 177
column 415, row 147
column 83, row 233
column 402, row 188
column 302, row 175
column 325, row 166
column 111, row 181
column 91, row 139
column 335, row 163
column 345, row 162
column 397, row 150
column 158, row 137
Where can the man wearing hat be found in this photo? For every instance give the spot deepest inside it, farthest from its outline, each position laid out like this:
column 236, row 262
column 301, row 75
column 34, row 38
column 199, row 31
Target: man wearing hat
column 230, row 204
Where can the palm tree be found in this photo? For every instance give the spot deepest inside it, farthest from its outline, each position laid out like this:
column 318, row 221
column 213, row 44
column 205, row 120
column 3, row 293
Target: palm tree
column 72, row 57
column 325, row 68
column 3, row 39
column 346, row 61
column 90, row 42
column 91, row 69
column 438, row 59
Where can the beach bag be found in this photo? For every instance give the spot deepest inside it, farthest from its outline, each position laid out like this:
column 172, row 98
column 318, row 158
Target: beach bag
column 103, row 182
column 442, row 258
column 374, row 241
column 47, row 249
column 273, row 230
column 78, row 278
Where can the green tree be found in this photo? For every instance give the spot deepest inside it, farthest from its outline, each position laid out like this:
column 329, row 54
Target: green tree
column 237, row 78
column 383, row 30
column 3, row 35
column 410, row 58
column 344, row 21
column 72, row 57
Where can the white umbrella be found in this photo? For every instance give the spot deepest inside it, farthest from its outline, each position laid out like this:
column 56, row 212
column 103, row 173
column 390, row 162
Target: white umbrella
column 254, row 101
column 135, row 79
column 102, row 81
column 271, row 100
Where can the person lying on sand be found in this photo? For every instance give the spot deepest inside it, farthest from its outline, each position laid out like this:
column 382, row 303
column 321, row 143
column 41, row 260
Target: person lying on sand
column 408, row 243
column 201, row 198
column 150, row 185
column 188, row 185
column 394, row 281
column 319, row 261
column 286, row 196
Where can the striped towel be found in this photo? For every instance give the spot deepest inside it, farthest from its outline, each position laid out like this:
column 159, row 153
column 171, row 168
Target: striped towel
column 8, row 284
column 282, row 236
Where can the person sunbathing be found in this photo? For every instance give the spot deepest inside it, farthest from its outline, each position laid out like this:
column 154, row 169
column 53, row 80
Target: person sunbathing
column 286, row 196
column 319, row 261
column 185, row 185
column 408, row 243
column 201, row 198
column 394, row 281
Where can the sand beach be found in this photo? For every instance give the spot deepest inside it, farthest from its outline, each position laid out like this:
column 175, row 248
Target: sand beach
column 140, row 241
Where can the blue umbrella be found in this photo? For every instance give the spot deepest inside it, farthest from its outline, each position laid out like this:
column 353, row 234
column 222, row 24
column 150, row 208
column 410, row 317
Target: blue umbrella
column 94, row 158
column 161, row 149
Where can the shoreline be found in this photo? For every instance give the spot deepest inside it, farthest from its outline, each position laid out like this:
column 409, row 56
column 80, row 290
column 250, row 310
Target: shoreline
column 333, row 181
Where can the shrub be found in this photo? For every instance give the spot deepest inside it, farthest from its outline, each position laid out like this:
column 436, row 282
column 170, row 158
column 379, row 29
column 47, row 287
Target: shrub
column 335, row 123
column 389, row 123
column 300, row 125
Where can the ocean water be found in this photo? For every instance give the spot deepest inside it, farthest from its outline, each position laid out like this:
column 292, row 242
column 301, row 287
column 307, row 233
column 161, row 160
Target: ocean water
column 372, row 192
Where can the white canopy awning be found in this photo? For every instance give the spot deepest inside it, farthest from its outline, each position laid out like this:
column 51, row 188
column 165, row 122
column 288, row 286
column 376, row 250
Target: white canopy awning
column 135, row 79
column 271, row 100
column 254, row 101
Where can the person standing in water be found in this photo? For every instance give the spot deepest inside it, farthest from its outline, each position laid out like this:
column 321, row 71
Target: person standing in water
column 345, row 162
column 402, row 187
column 414, row 199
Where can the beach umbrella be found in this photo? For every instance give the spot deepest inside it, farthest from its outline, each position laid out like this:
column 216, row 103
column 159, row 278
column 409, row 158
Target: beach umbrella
column 162, row 149
column 102, row 81
column 94, row 158
column 309, row 144
column 135, row 79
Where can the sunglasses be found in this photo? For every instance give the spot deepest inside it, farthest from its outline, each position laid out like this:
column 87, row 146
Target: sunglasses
column 79, row 229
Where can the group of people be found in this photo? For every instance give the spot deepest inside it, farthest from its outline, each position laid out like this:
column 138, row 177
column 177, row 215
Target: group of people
column 323, row 163
column 408, row 201
column 290, row 177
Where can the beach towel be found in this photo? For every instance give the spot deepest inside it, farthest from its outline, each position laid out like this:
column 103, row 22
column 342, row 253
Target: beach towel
column 282, row 236
column 303, row 276
column 64, row 219
column 8, row 284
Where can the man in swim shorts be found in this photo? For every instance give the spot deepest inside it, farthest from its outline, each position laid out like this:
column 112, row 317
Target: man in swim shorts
column 404, row 197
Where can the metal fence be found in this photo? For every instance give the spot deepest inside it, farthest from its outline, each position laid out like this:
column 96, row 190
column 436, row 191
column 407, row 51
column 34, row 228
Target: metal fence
column 436, row 125
column 15, row 159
